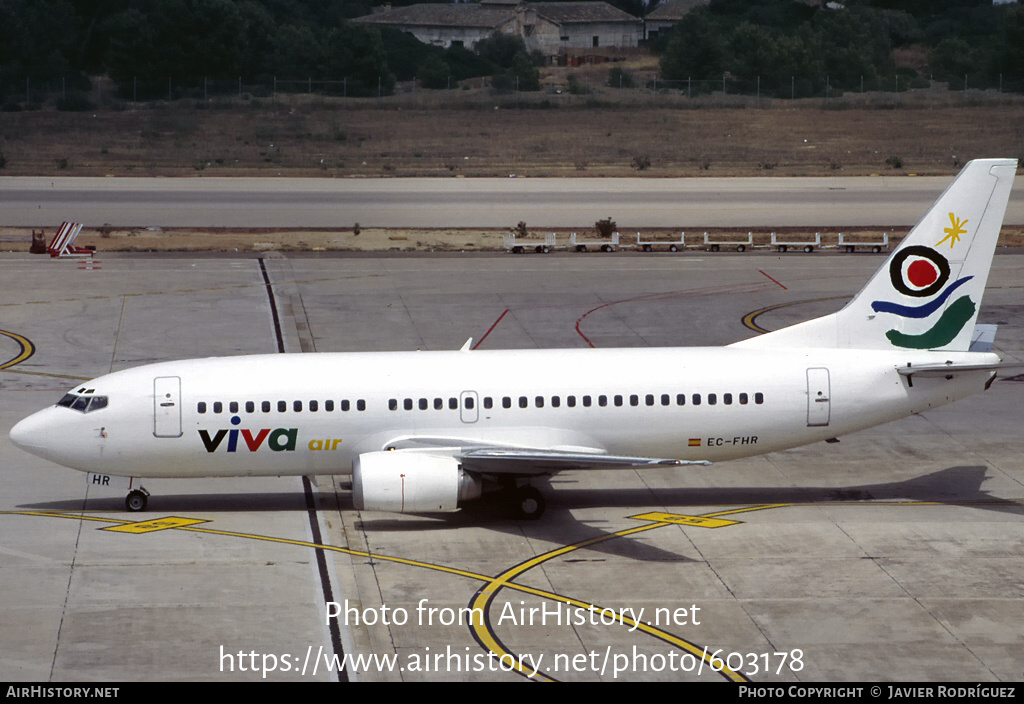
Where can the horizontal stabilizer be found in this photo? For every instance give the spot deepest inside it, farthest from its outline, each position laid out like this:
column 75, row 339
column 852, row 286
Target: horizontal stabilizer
column 951, row 368
column 983, row 338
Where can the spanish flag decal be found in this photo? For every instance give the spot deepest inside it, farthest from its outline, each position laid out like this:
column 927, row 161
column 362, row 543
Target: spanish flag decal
column 694, row 442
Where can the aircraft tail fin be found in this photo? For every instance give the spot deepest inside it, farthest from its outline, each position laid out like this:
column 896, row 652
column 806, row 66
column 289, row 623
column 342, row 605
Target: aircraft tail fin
column 927, row 294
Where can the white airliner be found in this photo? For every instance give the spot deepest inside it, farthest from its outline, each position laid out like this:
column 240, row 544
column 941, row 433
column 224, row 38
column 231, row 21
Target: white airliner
column 423, row 431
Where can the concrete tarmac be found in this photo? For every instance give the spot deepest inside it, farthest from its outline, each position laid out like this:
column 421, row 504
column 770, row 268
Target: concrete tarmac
column 896, row 554
column 686, row 203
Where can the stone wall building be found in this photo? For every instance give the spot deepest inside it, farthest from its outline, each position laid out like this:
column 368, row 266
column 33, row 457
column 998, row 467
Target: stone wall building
column 549, row 27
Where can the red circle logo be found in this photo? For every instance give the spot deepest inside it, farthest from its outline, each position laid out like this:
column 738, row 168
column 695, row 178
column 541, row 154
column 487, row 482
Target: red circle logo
column 922, row 273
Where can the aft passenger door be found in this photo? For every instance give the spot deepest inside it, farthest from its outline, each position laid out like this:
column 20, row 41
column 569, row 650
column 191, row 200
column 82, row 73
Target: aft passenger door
column 819, row 407
column 167, row 407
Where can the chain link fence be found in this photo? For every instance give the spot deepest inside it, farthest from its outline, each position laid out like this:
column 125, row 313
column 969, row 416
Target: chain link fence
column 561, row 90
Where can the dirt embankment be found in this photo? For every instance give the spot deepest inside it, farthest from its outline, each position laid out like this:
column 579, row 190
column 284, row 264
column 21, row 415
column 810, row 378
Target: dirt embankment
column 437, row 240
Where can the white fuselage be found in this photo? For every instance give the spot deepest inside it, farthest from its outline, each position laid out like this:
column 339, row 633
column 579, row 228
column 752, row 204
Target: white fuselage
column 308, row 414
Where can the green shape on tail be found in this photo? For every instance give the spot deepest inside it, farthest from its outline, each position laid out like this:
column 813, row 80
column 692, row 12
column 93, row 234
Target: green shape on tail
column 942, row 333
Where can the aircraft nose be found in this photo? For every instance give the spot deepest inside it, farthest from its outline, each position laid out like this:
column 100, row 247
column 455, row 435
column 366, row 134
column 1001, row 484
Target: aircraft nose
column 31, row 433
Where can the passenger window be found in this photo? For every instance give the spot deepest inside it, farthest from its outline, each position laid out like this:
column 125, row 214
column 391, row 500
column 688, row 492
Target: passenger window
column 345, row 405
column 233, row 406
column 423, row 404
column 392, row 404
column 407, row 404
column 696, row 399
column 265, row 406
column 602, row 401
column 297, row 405
column 488, row 402
column 634, row 400
column 680, row 399
column 727, row 398
column 201, row 408
column 439, row 404
column 539, row 401
column 556, row 402
column 523, row 402
column 665, row 399
column 453, row 404
column 759, row 398
column 618, row 399
column 314, row 406
column 282, row 406
column 250, row 406
column 570, row 401
column 649, row 399
column 218, row 407
column 586, row 402
column 329, row 405
column 469, row 403
column 712, row 399
column 361, row 405
column 743, row 399
column 506, row 402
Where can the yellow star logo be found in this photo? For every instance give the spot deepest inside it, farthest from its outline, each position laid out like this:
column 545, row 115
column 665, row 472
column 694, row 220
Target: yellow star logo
column 953, row 233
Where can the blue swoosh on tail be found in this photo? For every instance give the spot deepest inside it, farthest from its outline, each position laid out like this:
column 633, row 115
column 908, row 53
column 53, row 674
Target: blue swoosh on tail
column 922, row 311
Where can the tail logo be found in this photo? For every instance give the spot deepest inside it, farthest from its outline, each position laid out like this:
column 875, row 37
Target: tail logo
column 918, row 271
column 953, row 233
column 921, row 272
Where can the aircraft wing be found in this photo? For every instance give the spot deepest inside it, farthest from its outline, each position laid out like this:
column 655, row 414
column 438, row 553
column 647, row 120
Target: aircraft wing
column 533, row 461
column 499, row 458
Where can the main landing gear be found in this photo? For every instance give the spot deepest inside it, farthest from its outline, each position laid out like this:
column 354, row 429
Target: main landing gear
column 136, row 500
column 525, row 503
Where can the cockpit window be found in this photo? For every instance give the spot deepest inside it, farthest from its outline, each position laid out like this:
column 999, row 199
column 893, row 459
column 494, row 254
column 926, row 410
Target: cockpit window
column 85, row 404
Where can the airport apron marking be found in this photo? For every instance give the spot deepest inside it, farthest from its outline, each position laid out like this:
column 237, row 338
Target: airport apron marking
column 750, row 319
column 27, row 349
column 483, row 633
column 155, row 524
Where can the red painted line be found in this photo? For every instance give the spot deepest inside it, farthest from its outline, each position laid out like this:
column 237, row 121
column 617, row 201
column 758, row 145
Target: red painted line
column 580, row 320
column 783, row 287
column 494, row 325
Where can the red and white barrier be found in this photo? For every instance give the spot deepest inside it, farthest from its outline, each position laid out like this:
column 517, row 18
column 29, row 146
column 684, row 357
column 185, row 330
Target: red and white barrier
column 62, row 243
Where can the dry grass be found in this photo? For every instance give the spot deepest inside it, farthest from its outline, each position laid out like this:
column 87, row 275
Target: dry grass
column 383, row 240
column 488, row 136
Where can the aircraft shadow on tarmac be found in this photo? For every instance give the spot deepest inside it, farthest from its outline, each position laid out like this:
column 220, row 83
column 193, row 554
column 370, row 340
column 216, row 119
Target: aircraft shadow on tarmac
column 955, row 486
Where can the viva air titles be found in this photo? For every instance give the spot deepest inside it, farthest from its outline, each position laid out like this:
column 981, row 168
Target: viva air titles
column 278, row 439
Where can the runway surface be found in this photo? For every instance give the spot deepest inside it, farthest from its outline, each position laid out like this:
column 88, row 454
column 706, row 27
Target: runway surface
column 897, row 554
column 481, row 202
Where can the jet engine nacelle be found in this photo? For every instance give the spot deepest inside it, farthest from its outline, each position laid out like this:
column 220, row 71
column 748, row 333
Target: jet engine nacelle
column 411, row 482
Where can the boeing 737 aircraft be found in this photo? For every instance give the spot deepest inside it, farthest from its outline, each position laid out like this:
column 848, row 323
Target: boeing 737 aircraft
column 424, row 431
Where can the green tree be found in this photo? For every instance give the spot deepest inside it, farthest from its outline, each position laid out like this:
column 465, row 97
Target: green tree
column 500, row 49
column 356, row 53
column 180, row 39
column 696, row 48
column 435, row 73
column 39, row 39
